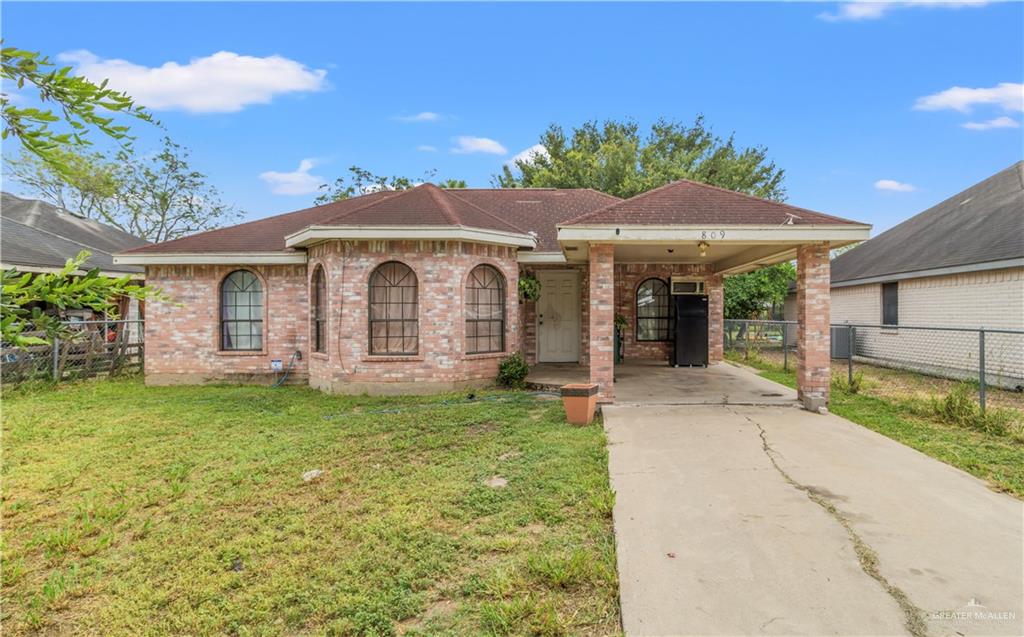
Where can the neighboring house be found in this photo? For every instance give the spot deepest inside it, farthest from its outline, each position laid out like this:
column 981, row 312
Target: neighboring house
column 39, row 237
column 958, row 264
column 416, row 291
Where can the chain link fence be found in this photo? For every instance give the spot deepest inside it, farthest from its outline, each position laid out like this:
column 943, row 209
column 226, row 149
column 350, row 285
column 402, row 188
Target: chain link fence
column 90, row 348
column 905, row 361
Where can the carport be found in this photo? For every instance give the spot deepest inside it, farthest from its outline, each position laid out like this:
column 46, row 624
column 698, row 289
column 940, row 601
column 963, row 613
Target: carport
column 691, row 236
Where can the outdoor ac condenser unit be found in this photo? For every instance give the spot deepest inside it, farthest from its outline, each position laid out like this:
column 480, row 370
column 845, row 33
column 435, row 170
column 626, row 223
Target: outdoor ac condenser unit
column 682, row 285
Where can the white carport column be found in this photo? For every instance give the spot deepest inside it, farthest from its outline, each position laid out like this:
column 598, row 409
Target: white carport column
column 813, row 358
column 602, row 319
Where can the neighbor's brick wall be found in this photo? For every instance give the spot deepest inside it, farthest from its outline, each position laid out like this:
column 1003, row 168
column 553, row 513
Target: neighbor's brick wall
column 182, row 336
column 441, row 268
column 813, row 370
column 992, row 299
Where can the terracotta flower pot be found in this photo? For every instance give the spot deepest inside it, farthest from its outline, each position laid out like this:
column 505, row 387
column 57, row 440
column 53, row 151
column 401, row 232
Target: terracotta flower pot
column 579, row 400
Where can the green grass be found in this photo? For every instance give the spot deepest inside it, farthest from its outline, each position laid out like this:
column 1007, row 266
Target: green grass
column 997, row 459
column 133, row 510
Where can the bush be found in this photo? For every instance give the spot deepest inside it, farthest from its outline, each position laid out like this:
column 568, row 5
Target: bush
column 840, row 382
column 960, row 407
column 512, row 371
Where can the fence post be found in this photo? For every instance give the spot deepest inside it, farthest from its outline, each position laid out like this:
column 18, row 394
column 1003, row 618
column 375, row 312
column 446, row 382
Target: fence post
column 981, row 370
column 785, row 347
column 55, row 359
column 850, row 341
column 746, row 340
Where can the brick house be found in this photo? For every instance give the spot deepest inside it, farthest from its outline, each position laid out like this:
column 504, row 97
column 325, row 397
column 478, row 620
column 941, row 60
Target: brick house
column 416, row 291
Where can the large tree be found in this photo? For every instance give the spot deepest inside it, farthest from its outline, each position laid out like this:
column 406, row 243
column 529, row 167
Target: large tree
column 758, row 294
column 80, row 106
column 614, row 157
column 156, row 197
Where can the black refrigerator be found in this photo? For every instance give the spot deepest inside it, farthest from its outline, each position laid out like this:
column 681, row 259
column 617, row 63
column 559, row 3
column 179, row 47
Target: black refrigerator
column 690, row 346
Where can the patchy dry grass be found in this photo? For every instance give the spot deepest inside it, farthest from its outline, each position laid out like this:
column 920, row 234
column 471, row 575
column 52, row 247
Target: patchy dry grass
column 182, row 510
column 997, row 458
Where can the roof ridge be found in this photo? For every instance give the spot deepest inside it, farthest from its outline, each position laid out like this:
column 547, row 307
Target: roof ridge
column 364, row 206
column 700, row 184
column 490, row 214
column 441, row 199
column 615, row 203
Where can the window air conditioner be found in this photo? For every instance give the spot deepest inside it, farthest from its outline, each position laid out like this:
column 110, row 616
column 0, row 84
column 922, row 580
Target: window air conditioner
column 681, row 285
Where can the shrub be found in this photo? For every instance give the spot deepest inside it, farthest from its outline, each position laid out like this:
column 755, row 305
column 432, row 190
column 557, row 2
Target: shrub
column 960, row 407
column 840, row 382
column 512, row 371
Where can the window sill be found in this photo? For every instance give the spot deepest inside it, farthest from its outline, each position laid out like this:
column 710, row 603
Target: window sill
column 241, row 352
column 319, row 355
column 484, row 355
column 400, row 358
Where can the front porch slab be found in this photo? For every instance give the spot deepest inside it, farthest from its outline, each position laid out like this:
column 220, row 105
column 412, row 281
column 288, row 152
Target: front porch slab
column 653, row 382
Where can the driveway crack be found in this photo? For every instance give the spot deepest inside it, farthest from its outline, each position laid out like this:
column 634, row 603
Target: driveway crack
column 913, row 616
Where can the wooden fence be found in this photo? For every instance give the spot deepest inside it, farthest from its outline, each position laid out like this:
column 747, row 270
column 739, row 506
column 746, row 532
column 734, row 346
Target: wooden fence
column 91, row 348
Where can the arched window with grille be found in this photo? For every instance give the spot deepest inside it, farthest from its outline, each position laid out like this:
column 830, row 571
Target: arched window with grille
column 318, row 310
column 653, row 311
column 485, row 311
column 241, row 312
column 394, row 323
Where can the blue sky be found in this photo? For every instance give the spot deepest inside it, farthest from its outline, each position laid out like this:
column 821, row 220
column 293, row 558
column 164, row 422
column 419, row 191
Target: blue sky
column 875, row 111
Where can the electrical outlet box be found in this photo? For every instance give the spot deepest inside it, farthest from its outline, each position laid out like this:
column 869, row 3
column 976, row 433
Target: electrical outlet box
column 275, row 365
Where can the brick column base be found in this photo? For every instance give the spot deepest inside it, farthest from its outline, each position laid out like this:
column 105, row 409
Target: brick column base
column 813, row 358
column 602, row 320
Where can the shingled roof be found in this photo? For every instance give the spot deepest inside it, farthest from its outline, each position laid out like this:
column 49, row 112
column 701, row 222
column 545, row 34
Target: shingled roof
column 36, row 234
column 519, row 211
column 687, row 203
column 983, row 224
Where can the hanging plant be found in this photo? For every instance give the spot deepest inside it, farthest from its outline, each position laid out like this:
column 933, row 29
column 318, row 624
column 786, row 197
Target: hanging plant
column 529, row 287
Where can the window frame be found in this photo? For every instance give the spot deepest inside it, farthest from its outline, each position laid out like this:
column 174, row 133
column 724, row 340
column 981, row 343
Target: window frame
column 502, row 321
column 318, row 310
column 669, row 318
column 892, row 299
column 223, row 321
column 370, row 321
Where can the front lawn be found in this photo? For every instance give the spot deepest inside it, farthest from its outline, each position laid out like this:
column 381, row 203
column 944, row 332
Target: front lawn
column 995, row 458
column 183, row 510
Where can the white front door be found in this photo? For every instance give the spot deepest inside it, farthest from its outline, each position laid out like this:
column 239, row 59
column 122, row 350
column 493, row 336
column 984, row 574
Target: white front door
column 558, row 317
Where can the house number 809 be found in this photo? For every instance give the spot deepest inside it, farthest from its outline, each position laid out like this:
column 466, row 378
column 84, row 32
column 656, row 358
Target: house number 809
column 712, row 234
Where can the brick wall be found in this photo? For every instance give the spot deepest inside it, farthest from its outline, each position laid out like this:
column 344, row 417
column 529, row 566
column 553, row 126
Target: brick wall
column 183, row 339
column 602, row 316
column 441, row 269
column 813, row 372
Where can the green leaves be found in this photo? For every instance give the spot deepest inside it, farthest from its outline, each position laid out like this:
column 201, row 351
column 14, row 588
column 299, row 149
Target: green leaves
column 81, row 105
column 752, row 295
column 615, row 158
column 22, row 295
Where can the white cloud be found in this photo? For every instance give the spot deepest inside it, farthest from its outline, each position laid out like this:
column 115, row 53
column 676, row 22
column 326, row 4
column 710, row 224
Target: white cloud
column 892, row 185
column 1008, row 95
column 528, row 154
column 298, row 182
column 224, row 82
column 999, row 122
column 867, row 10
column 426, row 148
column 425, row 116
column 467, row 144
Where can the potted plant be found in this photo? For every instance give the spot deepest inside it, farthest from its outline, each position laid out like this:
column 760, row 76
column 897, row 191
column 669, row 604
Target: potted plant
column 580, row 401
column 529, row 287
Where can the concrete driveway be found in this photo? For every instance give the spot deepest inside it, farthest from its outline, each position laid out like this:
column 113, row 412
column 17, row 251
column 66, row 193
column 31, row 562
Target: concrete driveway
column 746, row 520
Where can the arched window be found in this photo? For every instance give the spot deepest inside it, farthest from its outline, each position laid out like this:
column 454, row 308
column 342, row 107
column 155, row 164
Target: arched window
column 653, row 311
column 318, row 310
column 394, row 327
column 241, row 312
column 485, row 311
